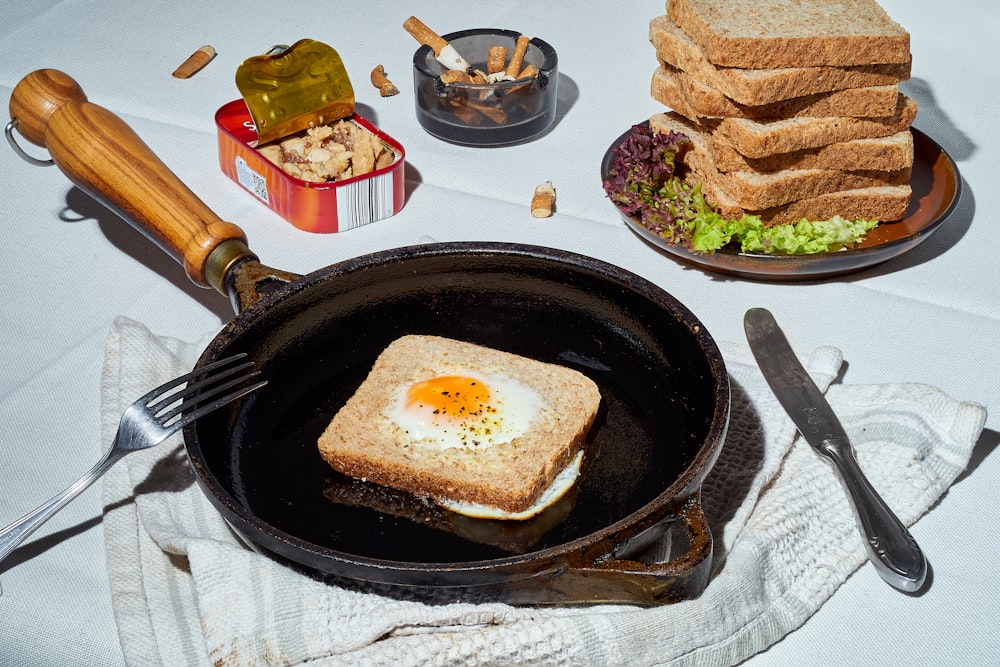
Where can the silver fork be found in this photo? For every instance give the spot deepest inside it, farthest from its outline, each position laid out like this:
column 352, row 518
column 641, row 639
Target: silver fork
column 144, row 424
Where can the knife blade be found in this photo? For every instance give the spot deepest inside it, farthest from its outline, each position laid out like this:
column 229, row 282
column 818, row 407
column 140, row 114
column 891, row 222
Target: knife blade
column 891, row 548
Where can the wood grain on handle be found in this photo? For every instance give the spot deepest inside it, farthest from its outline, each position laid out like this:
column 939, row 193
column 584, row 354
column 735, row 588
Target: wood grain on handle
column 102, row 155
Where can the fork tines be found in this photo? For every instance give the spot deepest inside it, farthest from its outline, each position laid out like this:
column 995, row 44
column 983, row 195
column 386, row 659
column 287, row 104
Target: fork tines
column 207, row 382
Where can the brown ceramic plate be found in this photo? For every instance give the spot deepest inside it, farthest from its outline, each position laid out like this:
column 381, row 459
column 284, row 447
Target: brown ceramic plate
column 936, row 188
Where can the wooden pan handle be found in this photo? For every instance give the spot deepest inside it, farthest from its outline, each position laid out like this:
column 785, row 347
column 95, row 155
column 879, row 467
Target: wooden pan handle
column 103, row 156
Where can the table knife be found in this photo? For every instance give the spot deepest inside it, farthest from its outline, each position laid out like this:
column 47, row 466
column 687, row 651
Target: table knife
column 896, row 555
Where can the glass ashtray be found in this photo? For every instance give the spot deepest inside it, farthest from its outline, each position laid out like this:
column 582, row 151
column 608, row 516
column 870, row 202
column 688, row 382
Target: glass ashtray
column 486, row 114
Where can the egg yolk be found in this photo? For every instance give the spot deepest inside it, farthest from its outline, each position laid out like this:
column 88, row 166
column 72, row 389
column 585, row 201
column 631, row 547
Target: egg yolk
column 451, row 396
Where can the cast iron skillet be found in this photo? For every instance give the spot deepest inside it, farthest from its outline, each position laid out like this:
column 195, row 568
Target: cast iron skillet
column 665, row 391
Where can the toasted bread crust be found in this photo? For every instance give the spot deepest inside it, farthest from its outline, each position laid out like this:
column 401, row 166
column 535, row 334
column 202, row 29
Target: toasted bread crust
column 758, row 34
column 363, row 443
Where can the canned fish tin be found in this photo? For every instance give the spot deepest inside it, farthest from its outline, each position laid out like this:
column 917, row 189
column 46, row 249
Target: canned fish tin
column 314, row 206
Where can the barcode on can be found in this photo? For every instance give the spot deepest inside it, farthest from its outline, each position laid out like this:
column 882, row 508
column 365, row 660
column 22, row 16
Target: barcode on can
column 251, row 180
column 364, row 201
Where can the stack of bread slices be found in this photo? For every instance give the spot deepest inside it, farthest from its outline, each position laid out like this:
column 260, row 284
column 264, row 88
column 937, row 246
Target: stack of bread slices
column 792, row 105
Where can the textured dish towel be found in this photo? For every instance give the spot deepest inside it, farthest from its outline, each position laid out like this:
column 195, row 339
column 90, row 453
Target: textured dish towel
column 187, row 592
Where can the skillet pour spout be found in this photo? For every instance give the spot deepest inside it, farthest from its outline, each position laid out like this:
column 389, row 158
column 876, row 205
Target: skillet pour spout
column 663, row 383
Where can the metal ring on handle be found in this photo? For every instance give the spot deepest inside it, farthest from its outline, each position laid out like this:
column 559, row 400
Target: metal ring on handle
column 9, row 131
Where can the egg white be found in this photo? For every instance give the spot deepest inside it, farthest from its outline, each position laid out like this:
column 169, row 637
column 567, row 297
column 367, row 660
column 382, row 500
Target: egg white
column 556, row 490
column 513, row 408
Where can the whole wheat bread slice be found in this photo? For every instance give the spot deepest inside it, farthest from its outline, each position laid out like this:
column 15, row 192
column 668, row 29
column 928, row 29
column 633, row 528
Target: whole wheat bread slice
column 890, row 153
column 689, row 96
column 762, row 34
column 755, row 192
column 362, row 441
column 764, row 86
column 752, row 190
column 886, row 203
column 758, row 139
column 790, row 195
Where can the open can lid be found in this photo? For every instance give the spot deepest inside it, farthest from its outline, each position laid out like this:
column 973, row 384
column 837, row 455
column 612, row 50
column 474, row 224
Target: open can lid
column 289, row 89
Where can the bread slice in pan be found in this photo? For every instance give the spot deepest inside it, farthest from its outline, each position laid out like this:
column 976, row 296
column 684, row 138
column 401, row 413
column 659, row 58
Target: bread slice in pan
column 764, row 86
column 502, row 450
column 511, row 536
column 791, row 33
column 688, row 96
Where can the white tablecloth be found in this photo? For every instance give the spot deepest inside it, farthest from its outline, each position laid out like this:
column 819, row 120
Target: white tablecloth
column 932, row 316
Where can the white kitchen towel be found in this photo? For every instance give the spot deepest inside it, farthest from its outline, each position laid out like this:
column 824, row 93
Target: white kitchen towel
column 186, row 591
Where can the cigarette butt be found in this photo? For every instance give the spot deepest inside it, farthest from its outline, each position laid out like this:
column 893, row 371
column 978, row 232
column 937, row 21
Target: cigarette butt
column 195, row 62
column 455, row 76
column 543, row 201
column 529, row 72
column 386, row 88
column 424, row 35
column 444, row 53
column 517, row 58
column 495, row 114
column 470, row 117
column 496, row 60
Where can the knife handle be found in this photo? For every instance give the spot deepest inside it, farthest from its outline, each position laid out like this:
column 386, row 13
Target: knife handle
column 103, row 156
column 896, row 555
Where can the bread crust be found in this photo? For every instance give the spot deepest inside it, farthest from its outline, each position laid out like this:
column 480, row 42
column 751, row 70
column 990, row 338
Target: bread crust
column 752, row 191
column 760, row 139
column 692, row 98
column 885, row 203
column 791, row 105
column 764, row 86
column 890, row 153
column 362, row 442
column 758, row 34
column 791, row 194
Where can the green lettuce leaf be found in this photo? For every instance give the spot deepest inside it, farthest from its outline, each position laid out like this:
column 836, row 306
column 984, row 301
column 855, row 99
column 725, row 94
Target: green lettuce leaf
column 710, row 232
